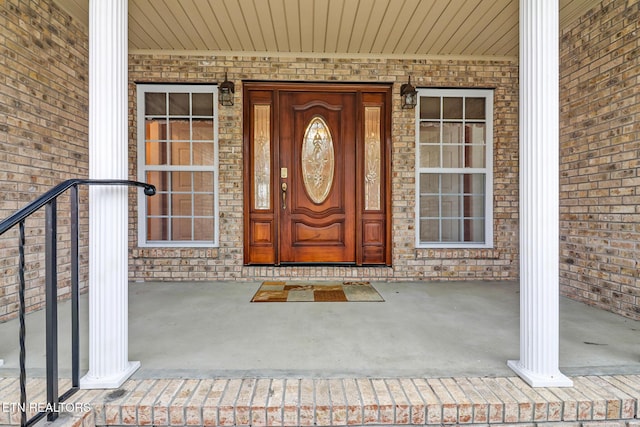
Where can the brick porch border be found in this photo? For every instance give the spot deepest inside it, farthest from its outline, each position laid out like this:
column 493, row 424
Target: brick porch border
column 610, row 401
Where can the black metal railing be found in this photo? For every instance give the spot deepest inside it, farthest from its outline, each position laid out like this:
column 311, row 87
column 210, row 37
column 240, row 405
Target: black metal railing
column 49, row 201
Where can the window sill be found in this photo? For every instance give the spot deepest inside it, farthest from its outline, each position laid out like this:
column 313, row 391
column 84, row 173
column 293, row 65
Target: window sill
column 168, row 252
column 457, row 253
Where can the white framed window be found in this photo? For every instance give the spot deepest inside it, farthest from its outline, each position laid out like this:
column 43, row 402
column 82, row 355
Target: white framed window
column 178, row 153
column 454, row 168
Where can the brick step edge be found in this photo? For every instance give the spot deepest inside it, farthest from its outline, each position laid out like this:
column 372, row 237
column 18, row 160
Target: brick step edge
column 358, row 401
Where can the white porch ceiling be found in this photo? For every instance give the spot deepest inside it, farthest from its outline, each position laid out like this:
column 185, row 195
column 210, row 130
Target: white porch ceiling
column 377, row 28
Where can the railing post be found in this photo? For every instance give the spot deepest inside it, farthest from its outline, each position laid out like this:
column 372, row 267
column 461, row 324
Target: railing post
column 21, row 314
column 75, row 288
column 51, row 314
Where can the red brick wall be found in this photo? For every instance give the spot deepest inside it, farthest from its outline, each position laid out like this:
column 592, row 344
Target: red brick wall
column 43, row 131
column 600, row 158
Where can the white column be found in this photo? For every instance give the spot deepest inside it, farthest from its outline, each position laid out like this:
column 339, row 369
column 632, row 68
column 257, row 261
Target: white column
column 539, row 196
column 108, row 206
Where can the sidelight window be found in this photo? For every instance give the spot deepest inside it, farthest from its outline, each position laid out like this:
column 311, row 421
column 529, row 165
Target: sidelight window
column 454, row 146
column 177, row 152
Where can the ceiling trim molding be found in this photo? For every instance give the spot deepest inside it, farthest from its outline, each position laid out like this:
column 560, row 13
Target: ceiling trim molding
column 315, row 55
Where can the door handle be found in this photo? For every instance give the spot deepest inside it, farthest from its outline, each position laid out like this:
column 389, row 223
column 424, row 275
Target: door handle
column 284, row 195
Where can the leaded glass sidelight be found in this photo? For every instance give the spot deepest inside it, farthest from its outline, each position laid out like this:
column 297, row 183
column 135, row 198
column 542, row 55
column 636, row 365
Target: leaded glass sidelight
column 372, row 158
column 318, row 160
column 262, row 156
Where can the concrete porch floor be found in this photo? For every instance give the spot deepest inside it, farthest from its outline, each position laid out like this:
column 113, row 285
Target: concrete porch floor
column 423, row 329
column 434, row 353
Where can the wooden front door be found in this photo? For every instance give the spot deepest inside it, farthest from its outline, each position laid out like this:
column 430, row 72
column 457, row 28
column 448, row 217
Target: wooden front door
column 317, row 179
column 317, row 173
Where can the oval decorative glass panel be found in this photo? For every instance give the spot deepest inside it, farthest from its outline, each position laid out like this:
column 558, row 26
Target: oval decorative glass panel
column 318, row 160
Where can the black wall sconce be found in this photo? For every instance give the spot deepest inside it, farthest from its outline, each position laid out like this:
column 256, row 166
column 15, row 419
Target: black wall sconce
column 226, row 90
column 408, row 95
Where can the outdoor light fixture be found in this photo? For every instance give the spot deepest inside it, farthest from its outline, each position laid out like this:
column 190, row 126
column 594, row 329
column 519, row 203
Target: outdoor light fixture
column 226, row 89
column 408, row 95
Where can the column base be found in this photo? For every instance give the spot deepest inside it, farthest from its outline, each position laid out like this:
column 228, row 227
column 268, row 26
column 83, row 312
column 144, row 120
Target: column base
column 113, row 381
column 537, row 380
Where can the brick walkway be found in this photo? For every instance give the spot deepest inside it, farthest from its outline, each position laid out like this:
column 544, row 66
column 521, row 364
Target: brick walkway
column 610, row 401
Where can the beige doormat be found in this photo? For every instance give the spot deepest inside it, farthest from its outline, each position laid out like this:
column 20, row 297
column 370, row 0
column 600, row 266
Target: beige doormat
column 317, row 292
